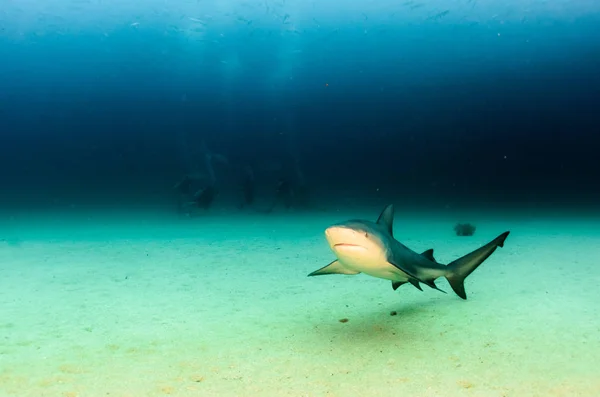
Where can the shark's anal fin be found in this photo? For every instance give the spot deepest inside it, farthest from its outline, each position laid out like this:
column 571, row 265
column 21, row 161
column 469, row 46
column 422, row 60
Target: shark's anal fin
column 397, row 284
column 386, row 218
column 334, row 267
column 429, row 255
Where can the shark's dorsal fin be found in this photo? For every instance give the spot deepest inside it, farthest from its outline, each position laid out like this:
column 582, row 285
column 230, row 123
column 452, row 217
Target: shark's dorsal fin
column 386, row 218
column 429, row 255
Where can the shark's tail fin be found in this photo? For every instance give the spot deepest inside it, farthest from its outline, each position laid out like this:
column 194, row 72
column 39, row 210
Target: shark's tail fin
column 459, row 269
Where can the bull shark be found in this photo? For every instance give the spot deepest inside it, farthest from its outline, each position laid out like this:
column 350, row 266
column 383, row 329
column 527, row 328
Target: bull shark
column 368, row 247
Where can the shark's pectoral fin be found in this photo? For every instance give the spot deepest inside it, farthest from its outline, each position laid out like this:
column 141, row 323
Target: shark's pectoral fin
column 334, row 267
column 410, row 277
column 414, row 280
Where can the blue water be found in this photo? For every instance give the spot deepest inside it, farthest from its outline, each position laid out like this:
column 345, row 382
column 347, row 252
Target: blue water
column 452, row 100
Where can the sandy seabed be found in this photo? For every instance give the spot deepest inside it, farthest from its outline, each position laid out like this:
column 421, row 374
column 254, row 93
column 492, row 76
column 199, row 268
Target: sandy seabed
column 220, row 305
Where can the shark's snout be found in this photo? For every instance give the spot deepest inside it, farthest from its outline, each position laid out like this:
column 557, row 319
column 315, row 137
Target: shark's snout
column 340, row 237
column 335, row 235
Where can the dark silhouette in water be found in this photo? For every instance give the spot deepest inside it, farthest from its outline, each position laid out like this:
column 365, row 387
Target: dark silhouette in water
column 248, row 186
column 301, row 196
column 464, row 229
column 184, row 192
column 284, row 195
column 205, row 197
column 184, row 186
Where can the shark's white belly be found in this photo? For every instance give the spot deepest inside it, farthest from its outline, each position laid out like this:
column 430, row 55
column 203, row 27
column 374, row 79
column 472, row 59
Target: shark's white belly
column 387, row 272
column 378, row 267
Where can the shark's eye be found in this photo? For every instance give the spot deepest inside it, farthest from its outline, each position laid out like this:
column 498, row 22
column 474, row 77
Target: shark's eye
column 366, row 235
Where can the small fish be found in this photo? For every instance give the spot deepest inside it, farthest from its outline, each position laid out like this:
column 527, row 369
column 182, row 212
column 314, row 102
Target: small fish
column 197, row 20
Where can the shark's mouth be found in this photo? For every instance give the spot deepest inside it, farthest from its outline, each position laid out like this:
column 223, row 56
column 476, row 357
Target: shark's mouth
column 346, row 245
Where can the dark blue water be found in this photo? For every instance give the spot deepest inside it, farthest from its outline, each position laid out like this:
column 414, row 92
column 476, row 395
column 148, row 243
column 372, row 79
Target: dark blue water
column 412, row 102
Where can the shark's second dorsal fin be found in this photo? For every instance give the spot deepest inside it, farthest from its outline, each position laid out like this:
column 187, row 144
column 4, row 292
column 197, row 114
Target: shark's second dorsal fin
column 429, row 255
column 386, row 218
